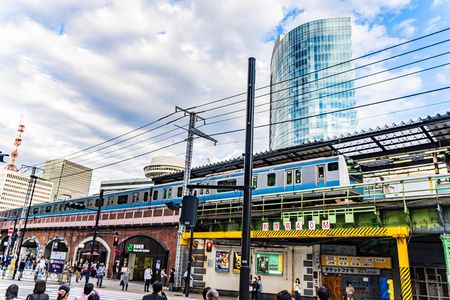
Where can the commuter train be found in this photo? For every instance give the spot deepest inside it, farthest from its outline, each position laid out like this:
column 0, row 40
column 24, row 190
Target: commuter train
column 271, row 180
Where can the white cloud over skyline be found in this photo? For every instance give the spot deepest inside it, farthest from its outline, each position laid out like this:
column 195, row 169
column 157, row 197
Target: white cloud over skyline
column 82, row 72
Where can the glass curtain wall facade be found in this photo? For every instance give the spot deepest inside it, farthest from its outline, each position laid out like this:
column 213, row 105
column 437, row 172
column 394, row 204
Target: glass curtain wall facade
column 311, row 78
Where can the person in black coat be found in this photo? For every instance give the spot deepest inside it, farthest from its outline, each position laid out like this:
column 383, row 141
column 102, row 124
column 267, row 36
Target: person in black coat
column 157, row 287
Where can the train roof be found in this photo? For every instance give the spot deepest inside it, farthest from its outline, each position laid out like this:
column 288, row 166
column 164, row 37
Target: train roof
column 373, row 149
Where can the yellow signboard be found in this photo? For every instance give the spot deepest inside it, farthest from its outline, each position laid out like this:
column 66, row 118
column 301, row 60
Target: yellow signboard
column 356, row 261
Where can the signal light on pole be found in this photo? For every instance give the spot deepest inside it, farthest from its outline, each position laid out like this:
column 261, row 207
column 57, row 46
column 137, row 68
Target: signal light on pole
column 116, row 241
column 209, row 245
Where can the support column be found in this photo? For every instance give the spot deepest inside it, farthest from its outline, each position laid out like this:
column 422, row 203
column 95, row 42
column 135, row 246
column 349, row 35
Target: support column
column 405, row 273
column 446, row 244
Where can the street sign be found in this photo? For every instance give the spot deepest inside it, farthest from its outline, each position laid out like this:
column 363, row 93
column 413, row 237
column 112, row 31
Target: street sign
column 287, row 226
column 325, row 224
column 312, row 225
column 298, row 225
column 10, row 231
column 276, row 226
column 265, row 226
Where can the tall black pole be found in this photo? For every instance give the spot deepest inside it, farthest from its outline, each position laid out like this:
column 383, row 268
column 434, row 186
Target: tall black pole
column 33, row 179
column 244, row 281
column 12, row 238
column 188, row 279
column 97, row 219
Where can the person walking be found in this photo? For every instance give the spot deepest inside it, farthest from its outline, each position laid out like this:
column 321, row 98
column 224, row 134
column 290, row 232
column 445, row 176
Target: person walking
column 21, row 268
column 260, row 288
column 171, row 279
column 157, row 288
column 297, row 289
column 124, row 278
column 350, row 291
column 147, row 278
column 63, row 292
column 89, row 293
column 39, row 291
column 164, row 277
column 187, row 282
column 254, row 288
column 100, row 274
column 11, row 292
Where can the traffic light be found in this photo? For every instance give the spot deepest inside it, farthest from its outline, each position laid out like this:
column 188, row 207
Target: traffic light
column 2, row 156
column 209, row 245
column 116, row 241
column 75, row 205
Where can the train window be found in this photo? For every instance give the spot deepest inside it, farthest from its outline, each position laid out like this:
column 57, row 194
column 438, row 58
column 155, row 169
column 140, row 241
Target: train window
column 169, row 193
column 122, row 199
column 289, row 177
column 155, row 195
column 298, row 176
column 271, row 179
column 48, row 208
column 179, row 191
column 320, row 172
column 135, row 197
column 145, row 196
column 206, row 189
column 255, row 181
column 333, row 166
column 164, row 193
column 35, row 210
column 229, row 182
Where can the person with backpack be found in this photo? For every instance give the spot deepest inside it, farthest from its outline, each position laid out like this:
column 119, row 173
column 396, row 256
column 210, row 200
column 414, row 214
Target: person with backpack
column 157, row 288
column 39, row 291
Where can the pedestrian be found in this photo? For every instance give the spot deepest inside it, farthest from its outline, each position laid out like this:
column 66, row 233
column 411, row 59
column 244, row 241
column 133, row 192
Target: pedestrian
column 254, row 288
column 297, row 289
column 260, row 288
column 171, row 279
column 350, row 291
column 125, row 277
column 205, row 291
column 39, row 291
column 212, row 294
column 147, row 278
column 63, row 292
column 187, row 281
column 89, row 293
column 100, row 274
column 11, row 292
column 284, row 295
column 22, row 265
column 164, row 277
column 84, row 270
column 157, row 288
column 322, row 293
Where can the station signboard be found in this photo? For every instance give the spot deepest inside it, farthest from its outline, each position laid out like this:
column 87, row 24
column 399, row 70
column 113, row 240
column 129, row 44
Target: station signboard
column 356, row 261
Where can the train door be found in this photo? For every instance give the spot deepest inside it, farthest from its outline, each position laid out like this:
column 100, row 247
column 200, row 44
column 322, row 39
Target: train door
column 320, row 176
column 289, row 182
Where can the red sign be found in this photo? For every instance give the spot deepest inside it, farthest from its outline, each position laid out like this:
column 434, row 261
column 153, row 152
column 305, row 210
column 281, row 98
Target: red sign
column 10, row 230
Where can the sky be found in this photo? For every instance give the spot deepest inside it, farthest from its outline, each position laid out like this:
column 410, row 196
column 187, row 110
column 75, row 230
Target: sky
column 79, row 73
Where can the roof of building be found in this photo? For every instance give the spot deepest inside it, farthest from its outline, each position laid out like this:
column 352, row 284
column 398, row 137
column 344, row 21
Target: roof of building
column 405, row 144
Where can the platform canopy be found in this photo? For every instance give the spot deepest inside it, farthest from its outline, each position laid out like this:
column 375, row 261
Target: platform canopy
column 396, row 146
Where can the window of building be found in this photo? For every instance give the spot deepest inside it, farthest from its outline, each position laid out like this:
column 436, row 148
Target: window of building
column 271, row 179
column 229, row 182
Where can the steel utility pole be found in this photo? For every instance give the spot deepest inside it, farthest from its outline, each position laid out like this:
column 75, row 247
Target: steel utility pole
column 244, row 280
column 187, row 175
column 26, row 210
column 97, row 219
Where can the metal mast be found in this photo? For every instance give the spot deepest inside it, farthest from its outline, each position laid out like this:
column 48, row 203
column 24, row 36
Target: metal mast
column 187, row 175
column 12, row 162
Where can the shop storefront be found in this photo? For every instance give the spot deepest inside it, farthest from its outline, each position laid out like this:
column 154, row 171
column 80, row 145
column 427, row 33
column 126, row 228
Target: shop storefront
column 140, row 252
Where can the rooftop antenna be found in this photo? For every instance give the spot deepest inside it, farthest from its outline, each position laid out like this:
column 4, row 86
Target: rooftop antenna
column 12, row 163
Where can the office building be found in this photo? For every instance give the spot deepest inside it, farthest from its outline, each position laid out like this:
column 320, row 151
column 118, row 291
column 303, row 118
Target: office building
column 311, row 77
column 70, row 180
column 14, row 187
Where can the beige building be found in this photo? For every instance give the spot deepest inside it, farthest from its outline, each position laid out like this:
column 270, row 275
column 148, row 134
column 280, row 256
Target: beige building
column 70, row 180
column 14, row 187
column 162, row 165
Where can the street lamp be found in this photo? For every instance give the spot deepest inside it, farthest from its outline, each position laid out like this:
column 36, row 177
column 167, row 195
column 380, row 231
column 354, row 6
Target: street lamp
column 99, row 204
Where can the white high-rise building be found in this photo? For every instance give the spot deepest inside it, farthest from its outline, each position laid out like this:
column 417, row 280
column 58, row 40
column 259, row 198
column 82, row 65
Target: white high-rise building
column 14, row 187
column 70, row 180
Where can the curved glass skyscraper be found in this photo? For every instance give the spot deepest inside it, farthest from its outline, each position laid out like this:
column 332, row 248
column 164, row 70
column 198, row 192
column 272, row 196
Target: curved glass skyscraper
column 311, row 92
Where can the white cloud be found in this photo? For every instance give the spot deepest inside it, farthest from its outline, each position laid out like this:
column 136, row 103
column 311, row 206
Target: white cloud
column 406, row 27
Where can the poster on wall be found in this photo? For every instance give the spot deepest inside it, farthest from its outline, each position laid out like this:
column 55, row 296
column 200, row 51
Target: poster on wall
column 236, row 262
column 269, row 263
column 222, row 261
